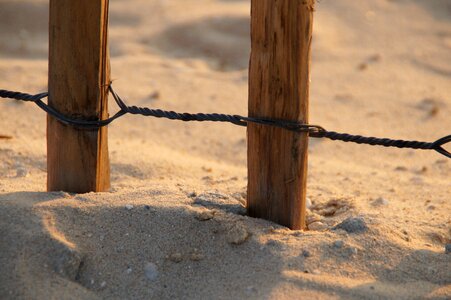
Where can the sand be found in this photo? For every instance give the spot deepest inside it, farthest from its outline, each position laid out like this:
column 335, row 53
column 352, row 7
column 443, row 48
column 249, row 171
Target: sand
column 172, row 226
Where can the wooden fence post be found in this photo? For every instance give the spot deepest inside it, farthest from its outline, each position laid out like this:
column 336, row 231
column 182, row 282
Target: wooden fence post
column 78, row 78
column 279, row 89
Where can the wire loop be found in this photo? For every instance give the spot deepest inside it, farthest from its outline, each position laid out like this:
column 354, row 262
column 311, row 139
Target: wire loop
column 438, row 145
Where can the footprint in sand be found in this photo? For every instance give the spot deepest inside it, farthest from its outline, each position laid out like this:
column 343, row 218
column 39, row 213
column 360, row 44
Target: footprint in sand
column 221, row 41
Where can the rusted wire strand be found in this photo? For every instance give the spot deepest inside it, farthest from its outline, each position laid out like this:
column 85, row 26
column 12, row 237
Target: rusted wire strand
column 313, row 130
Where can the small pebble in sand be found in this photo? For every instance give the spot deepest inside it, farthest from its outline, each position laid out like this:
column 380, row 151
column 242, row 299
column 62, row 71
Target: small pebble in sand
column 338, row 244
column 155, row 95
column 151, row 271
column 308, row 202
column 351, row 251
column 65, row 195
column 271, row 229
column 241, row 197
column 129, row 207
column 21, row 172
column 353, row 225
column 207, row 169
column 380, row 202
column 205, row 215
column 317, row 226
column 237, row 234
column 276, row 244
column 417, row 180
column 129, row 270
column 430, row 106
column 448, row 248
column 362, row 66
column 313, row 217
column 196, row 256
column 298, row 233
column 250, row 290
column 401, row 169
column 423, row 170
column 176, row 257
column 405, row 235
column 306, row 253
column 374, row 58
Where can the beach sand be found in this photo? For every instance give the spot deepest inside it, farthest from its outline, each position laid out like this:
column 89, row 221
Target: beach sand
column 174, row 225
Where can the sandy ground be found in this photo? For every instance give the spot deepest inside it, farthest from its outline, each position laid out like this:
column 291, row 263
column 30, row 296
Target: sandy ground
column 172, row 226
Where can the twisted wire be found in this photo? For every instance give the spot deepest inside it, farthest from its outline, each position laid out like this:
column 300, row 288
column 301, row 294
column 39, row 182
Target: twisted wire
column 374, row 141
column 172, row 115
column 22, row 96
column 313, row 130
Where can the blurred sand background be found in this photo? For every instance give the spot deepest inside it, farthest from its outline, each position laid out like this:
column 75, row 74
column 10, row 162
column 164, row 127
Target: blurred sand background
column 172, row 226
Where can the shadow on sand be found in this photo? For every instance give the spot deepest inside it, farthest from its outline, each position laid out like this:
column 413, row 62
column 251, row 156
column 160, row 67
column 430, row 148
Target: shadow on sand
column 55, row 244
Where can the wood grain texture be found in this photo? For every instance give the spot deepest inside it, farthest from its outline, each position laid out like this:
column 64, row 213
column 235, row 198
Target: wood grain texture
column 79, row 73
column 279, row 76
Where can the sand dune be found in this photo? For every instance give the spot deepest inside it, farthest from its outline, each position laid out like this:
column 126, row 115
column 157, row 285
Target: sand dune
column 172, row 226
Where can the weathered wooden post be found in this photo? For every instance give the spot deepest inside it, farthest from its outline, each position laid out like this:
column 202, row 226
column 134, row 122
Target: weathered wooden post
column 279, row 89
column 78, row 87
